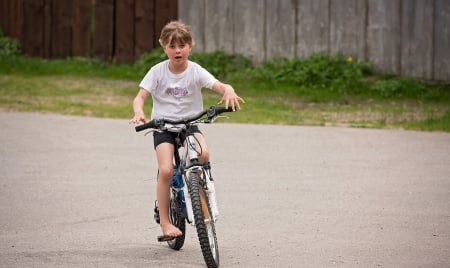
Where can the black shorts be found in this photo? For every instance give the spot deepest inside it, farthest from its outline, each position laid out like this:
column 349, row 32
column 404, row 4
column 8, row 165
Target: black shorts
column 168, row 136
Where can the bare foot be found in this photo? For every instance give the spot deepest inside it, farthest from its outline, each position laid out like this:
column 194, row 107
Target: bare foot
column 170, row 230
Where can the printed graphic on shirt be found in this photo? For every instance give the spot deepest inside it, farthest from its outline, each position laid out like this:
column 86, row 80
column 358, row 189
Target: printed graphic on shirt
column 177, row 92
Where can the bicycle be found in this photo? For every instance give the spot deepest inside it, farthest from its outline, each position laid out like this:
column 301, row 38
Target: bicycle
column 192, row 193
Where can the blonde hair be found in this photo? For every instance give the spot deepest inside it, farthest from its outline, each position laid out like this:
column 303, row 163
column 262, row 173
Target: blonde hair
column 176, row 32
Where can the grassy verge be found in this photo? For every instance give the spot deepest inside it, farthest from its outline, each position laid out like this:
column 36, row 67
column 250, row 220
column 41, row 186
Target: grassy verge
column 91, row 88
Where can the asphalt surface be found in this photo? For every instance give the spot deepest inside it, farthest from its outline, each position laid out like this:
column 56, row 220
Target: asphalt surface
column 79, row 192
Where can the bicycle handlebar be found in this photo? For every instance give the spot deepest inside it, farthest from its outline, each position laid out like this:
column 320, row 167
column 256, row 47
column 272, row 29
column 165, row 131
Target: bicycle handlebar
column 211, row 112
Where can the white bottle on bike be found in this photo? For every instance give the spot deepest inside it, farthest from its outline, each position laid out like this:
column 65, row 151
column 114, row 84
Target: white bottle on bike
column 187, row 199
column 212, row 196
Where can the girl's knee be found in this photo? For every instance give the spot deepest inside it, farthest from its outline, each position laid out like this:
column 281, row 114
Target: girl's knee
column 203, row 148
column 165, row 172
column 204, row 157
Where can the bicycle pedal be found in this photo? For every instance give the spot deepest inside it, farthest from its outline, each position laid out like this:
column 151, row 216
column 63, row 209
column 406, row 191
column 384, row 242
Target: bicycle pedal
column 163, row 238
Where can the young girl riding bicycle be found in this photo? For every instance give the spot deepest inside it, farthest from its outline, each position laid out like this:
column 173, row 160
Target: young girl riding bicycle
column 175, row 86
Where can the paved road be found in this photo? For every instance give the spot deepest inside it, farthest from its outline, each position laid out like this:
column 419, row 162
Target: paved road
column 78, row 192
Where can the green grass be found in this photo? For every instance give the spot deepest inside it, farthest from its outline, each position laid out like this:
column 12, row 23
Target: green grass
column 320, row 91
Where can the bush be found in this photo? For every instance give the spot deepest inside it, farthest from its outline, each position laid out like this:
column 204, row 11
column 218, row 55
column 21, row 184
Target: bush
column 320, row 71
column 401, row 87
column 218, row 63
column 147, row 60
column 221, row 64
column 8, row 46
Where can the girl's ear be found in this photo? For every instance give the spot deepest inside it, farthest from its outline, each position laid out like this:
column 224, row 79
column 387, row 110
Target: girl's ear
column 164, row 48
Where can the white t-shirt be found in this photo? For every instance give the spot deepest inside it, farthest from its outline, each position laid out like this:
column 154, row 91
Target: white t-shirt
column 176, row 96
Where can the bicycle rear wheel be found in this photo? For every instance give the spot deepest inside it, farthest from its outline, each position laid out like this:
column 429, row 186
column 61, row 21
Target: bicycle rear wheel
column 177, row 220
column 204, row 223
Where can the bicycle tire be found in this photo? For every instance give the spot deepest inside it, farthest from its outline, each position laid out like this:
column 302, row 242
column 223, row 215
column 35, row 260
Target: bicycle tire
column 177, row 220
column 205, row 228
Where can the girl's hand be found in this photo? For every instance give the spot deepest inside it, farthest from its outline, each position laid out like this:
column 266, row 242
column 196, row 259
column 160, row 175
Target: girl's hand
column 231, row 98
column 138, row 117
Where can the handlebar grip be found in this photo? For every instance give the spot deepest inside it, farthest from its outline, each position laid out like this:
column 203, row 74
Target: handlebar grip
column 141, row 127
column 150, row 124
column 214, row 111
column 220, row 110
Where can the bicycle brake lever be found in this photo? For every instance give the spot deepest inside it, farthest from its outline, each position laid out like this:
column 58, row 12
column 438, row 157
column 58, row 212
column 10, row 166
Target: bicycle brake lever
column 220, row 116
column 153, row 130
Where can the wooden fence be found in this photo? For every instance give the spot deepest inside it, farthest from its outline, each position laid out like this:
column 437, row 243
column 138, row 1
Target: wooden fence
column 119, row 30
column 403, row 37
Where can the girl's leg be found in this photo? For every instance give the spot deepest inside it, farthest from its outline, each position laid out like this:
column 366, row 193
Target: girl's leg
column 201, row 143
column 164, row 157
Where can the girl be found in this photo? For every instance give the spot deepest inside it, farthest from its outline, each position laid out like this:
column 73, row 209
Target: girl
column 175, row 86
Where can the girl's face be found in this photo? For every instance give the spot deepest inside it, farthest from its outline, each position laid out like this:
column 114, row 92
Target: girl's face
column 178, row 53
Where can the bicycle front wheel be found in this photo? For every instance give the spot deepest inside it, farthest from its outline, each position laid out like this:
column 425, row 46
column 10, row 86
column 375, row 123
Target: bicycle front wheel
column 204, row 222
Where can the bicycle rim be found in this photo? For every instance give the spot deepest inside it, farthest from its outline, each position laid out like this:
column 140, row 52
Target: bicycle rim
column 204, row 224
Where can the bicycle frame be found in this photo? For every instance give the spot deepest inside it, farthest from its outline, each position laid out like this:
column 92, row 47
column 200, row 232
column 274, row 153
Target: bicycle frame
column 193, row 194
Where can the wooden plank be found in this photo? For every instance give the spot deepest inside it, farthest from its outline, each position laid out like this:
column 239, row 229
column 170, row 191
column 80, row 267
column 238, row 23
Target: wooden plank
column 4, row 10
column 347, row 28
column 81, row 30
column 17, row 20
column 33, row 30
column 248, row 30
column 442, row 41
column 417, row 38
column 383, row 35
column 61, row 30
column 404, row 37
column 144, row 25
column 165, row 11
column 184, row 7
column 124, row 36
column 11, row 18
column 47, row 28
column 5, row 17
column 218, row 27
column 313, row 32
column 103, row 29
column 280, row 29
column 193, row 13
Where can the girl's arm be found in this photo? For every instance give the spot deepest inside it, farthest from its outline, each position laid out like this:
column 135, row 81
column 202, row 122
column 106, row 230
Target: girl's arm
column 228, row 95
column 138, row 107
